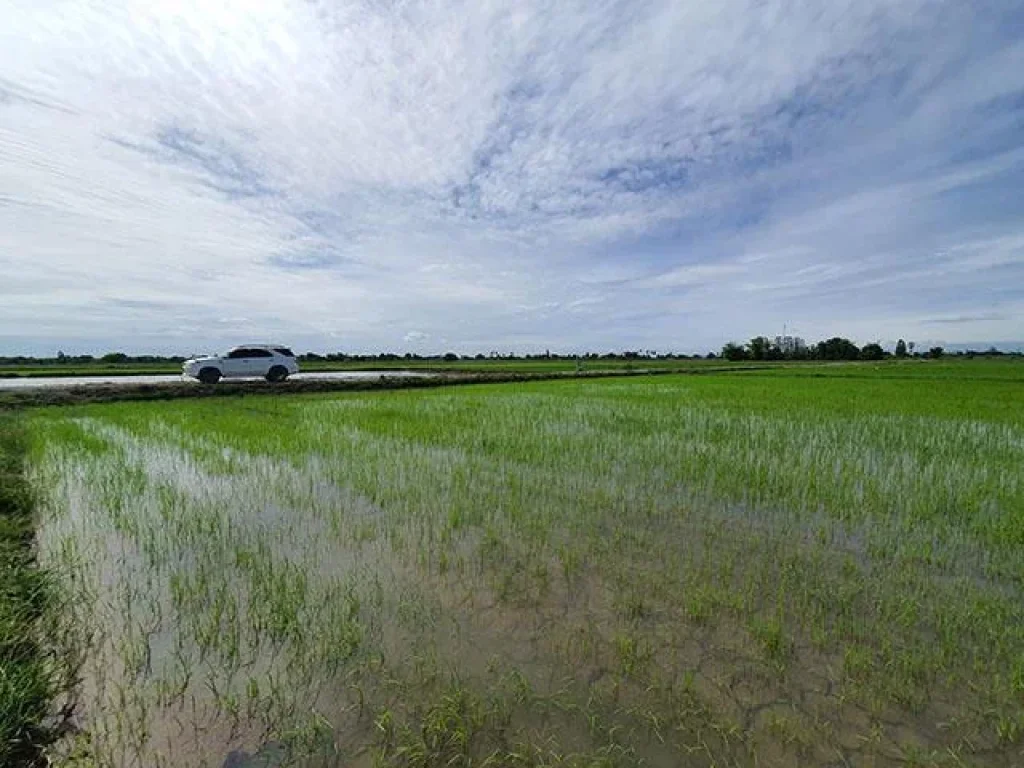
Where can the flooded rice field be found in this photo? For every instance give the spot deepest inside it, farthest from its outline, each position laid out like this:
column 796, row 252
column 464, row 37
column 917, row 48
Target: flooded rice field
column 561, row 574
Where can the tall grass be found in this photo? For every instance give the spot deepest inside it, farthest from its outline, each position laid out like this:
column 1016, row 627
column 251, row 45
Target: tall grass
column 736, row 571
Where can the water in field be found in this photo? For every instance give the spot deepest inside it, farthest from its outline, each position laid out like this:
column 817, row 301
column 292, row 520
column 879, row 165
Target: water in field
column 612, row 574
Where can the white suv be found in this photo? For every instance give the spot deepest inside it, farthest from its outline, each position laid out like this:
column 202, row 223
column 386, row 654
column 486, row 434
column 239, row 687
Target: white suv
column 273, row 362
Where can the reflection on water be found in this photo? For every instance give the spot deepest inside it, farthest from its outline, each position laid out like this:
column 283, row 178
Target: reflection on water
column 338, row 592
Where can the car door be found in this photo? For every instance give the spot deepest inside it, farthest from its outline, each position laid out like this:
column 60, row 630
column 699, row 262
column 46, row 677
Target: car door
column 236, row 363
column 260, row 362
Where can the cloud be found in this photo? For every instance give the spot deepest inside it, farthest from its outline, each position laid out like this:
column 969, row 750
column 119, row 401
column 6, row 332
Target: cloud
column 581, row 174
column 958, row 319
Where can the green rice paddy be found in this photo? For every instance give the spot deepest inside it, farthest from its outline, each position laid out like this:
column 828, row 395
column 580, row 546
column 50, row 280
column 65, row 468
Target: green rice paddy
column 811, row 566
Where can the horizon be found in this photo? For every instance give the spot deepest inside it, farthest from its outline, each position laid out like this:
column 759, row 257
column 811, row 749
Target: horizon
column 1005, row 347
column 509, row 177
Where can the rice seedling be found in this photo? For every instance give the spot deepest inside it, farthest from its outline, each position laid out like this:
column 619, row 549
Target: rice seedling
column 27, row 680
column 764, row 568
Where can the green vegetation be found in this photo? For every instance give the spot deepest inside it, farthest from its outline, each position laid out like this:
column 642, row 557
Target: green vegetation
column 524, row 365
column 28, row 680
column 815, row 566
column 837, row 348
column 100, row 392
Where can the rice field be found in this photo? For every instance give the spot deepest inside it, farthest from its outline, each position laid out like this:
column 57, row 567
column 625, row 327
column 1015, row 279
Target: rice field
column 772, row 568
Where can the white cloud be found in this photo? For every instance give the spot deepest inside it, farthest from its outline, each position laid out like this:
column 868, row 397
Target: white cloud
column 676, row 173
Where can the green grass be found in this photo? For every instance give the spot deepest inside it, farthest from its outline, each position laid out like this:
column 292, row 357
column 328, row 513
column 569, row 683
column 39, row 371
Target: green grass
column 801, row 566
column 539, row 366
column 27, row 680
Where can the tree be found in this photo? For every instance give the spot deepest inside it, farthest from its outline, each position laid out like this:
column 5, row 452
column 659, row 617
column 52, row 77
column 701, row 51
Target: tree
column 901, row 348
column 114, row 357
column 837, row 348
column 450, row 357
column 759, row 346
column 911, row 346
column 774, row 352
column 872, row 352
column 734, row 352
column 935, row 352
column 800, row 353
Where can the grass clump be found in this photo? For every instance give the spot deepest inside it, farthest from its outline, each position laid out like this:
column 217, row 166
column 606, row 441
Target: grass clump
column 26, row 679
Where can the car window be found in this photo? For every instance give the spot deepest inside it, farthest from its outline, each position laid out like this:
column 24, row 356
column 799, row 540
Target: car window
column 260, row 353
column 284, row 351
column 235, row 354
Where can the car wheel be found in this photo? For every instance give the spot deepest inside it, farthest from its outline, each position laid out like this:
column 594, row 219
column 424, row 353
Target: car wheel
column 209, row 376
column 277, row 374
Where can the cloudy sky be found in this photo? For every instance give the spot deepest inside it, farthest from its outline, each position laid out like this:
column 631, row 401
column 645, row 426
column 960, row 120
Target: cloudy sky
column 508, row 175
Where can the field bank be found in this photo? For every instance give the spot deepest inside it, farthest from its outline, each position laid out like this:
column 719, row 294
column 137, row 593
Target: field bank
column 761, row 568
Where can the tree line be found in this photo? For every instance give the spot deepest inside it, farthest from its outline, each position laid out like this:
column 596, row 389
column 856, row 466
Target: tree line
column 758, row 348
column 836, row 348
column 111, row 358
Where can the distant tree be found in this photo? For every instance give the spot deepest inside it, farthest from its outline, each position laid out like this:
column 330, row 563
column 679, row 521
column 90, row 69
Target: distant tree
column 114, row 357
column 800, row 353
column 450, row 357
column 901, row 348
column 758, row 347
column 734, row 352
column 837, row 348
column 773, row 351
column 911, row 345
column 872, row 352
column 935, row 352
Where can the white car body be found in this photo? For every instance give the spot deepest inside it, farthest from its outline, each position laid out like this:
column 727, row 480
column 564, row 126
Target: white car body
column 274, row 362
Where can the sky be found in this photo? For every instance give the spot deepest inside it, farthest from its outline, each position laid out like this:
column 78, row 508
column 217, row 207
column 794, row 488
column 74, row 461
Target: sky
column 428, row 175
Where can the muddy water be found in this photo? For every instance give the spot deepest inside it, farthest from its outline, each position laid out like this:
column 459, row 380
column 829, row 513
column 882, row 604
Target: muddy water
column 265, row 613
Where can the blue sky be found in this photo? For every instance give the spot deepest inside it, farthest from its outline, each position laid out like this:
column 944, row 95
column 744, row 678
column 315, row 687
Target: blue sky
column 514, row 176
